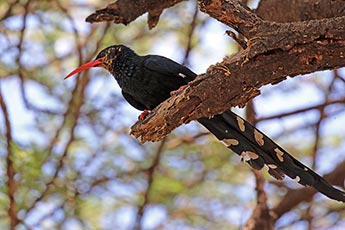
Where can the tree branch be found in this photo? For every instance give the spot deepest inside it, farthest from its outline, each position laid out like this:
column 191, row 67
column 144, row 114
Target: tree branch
column 260, row 218
column 234, row 14
column 237, row 81
column 309, row 47
column 319, row 106
column 150, row 177
column 126, row 11
column 292, row 10
column 10, row 170
column 267, row 36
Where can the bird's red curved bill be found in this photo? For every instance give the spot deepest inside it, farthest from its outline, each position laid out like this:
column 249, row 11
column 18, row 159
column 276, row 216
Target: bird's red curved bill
column 88, row 65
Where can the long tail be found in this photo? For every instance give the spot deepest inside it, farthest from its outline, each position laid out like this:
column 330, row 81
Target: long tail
column 258, row 151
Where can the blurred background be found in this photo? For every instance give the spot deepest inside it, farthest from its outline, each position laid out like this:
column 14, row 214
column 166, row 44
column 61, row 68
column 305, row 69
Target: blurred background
column 67, row 160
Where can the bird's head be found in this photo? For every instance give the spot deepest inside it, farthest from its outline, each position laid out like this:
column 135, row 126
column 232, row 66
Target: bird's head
column 106, row 59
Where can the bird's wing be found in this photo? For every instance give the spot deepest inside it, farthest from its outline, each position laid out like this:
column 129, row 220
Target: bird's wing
column 136, row 104
column 168, row 67
column 258, row 151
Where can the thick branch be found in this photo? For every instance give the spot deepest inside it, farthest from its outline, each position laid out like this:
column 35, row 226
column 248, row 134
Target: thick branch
column 296, row 10
column 126, row 11
column 308, row 47
column 234, row 14
column 235, row 81
column 265, row 36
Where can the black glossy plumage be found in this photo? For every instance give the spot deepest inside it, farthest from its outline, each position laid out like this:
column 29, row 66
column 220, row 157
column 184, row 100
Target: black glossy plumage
column 146, row 81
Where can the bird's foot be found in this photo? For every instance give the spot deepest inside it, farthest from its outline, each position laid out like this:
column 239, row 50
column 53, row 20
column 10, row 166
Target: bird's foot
column 179, row 90
column 143, row 115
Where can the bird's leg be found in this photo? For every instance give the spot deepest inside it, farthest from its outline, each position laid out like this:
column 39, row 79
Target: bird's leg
column 143, row 115
column 179, row 90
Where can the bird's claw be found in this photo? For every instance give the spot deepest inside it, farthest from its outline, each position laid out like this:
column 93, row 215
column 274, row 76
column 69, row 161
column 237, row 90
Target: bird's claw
column 143, row 115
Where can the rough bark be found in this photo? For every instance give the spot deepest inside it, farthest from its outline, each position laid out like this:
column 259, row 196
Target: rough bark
column 313, row 40
column 126, row 11
column 297, row 10
column 308, row 46
column 237, row 81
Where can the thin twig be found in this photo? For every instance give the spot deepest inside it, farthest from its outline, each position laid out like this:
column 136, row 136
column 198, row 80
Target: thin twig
column 11, row 183
column 303, row 110
column 190, row 36
column 150, row 174
column 260, row 218
column 9, row 10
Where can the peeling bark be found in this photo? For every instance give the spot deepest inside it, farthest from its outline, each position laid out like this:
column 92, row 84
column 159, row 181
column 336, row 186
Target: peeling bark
column 126, row 11
column 237, row 80
column 308, row 46
column 281, row 39
column 297, row 10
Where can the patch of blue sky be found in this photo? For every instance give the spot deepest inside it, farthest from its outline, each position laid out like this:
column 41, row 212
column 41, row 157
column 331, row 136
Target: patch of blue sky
column 21, row 119
column 122, row 219
column 237, row 214
column 42, row 209
column 154, row 216
column 288, row 218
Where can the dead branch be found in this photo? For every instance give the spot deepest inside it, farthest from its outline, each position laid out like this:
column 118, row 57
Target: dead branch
column 126, row 11
column 237, row 81
column 309, row 46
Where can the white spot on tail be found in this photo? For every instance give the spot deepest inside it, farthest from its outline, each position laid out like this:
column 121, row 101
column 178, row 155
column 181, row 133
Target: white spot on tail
column 229, row 142
column 279, row 154
column 248, row 155
column 272, row 166
column 297, row 179
column 259, row 138
column 240, row 124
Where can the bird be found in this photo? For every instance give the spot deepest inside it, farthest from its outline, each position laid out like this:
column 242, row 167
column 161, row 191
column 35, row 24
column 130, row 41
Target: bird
column 148, row 80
